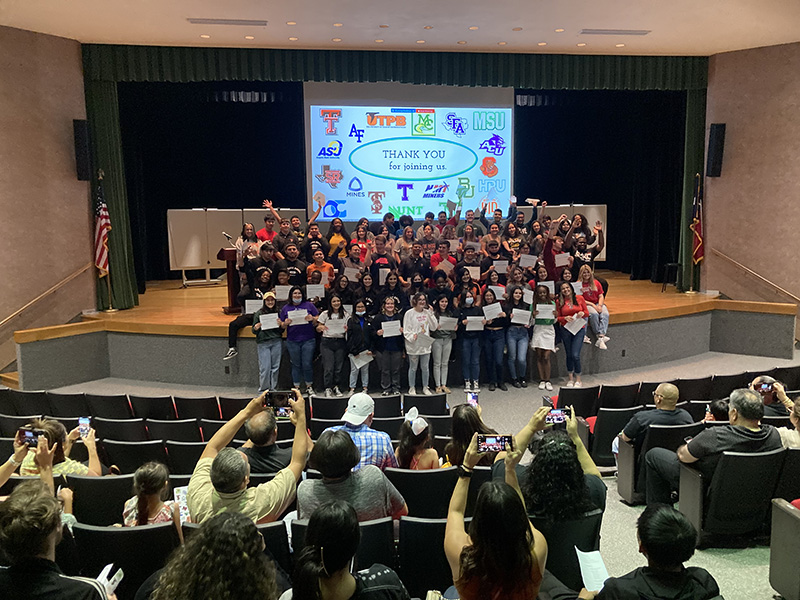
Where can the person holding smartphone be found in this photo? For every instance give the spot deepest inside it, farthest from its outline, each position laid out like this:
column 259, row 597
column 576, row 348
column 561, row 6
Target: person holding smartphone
column 56, row 435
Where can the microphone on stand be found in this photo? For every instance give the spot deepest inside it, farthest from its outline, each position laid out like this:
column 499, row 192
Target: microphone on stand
column 230, row 239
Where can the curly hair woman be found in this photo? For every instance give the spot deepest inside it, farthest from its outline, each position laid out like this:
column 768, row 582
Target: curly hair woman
column 223, row 560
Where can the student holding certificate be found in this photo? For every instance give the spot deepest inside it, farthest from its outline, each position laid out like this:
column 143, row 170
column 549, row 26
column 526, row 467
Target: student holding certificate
column 358, row 339
column 494, row 339
column 470, row 340
column 443, row 341
column 389, row 349
column 572, row 312
column 332, row 324
column 298, row 318
column 517, row 336
column 269, row 343
column 418, row 324
column 543, row 339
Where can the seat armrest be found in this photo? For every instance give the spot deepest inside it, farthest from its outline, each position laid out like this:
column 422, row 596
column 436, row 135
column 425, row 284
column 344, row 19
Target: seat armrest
column 583, row 432
column 692, row 496
column 626, row 471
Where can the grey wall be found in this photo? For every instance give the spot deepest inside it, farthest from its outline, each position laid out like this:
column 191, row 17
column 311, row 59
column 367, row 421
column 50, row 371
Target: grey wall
column 63, row 361
column 752, row 333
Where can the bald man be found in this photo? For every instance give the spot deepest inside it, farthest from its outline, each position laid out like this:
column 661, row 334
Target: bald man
column 665, row 397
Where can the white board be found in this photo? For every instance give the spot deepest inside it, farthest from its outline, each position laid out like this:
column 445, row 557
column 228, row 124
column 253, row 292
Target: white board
column 188, row 240
column 217, row 221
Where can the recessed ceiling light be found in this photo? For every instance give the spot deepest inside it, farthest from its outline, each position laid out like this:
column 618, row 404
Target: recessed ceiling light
column 336, row 39
column 620, row 45
column 428, row 27
column 501, row 43
column 542, row 44
column 249, row 37
column 420, row 41
column 337, row 24
column 473, row 28
column 291, row 22
column 517, row 29
column 378, row 41
column 559, row 30
column 205, row 36
column 581, row 45
column 383, row 26
column 462, row 42
column 292, row 39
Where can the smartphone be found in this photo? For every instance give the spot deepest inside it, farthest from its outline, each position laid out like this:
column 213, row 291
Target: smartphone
column 83, row 426
column 766, row 387
column 556, row 415
column 472, row 398
column 279, row 402
column 494, row 443
column 31, row 436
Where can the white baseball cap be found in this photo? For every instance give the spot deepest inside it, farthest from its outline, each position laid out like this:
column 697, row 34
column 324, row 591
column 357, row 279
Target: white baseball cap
column 359, row 407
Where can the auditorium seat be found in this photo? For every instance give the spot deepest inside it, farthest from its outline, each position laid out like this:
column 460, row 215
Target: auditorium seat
column 441, row 424
column 100, row 500
column 129, row 456
column 210, row 427
column 435, row 404
column 618, row 396
column 737, row 500
column 10, row 423
column 68, row 405
column 197, row 408
column 152, row 407
column 583, row 400
column 6, row 446
column 328, row 408
column 6, row 402
column 646, row 389
column 259, row 478
column 317, row 426
column 610, row 421
column 427, row 493
column 388, row 406
column 697, row 408
column 723, row 385
column 138, row 551
column 183, row 430
column 180, row 480
column 422, row 562
column 480, row 475
column 285, row 429
column 123, row 430
column 440, row 443
column 777, row 421
column 276, row 541
column 30, row 403
column 789, row 376
column 784, row 548
column 15, row 480
column 389, row 425
column 788, row 486
column 79, row 451
column 230, row 406
column 109, row 406
column 376, row 545
column 183, row 456
column 694, row 389
column 284, row 443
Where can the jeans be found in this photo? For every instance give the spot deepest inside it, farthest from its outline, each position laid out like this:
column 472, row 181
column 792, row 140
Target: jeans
column 269, row 363
column 517, row 342
column 332, row 351
column 441, row 356
column 573, row 345
column 494, row 342
column 471, row 358
column 415, row 360
column 354, row 375
column 302, row 356
column 390, row 363
column 234, row 327
column 663, row 472
column 599, row 321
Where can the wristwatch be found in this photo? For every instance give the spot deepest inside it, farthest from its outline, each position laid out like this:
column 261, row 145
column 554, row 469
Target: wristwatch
column 463, row 471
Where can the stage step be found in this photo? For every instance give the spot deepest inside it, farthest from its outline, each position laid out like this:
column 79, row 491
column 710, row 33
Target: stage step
column 10, row 379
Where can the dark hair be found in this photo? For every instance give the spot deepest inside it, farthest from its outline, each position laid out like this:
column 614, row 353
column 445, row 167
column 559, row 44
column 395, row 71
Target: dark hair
column 667, row 536
column 342, row 231
column 331, row 541
column 339, row 312
column 149, row 479
column 260, row 428
column 229, row 470
column 27, row 518
column 555, row 487
column 223, row 559
column 436, row 310
column 719, row 409
column 466, row 421
column 302, row 291
column 571, row 291
column 410, row 443
column 56, row 433
column 406, row 220
column 748, row 404
column 334, row 455
column 429, row 214
column 500, row 555
column 510, row 300
column 439, row 274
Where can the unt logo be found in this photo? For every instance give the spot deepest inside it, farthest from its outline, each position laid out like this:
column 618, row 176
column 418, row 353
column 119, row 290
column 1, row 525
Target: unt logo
column 376, row 120
column 332, row 177
column 330, row 116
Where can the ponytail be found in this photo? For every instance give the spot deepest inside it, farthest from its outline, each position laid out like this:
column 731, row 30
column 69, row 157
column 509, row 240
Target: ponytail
column 149, row 479
column 308, row 569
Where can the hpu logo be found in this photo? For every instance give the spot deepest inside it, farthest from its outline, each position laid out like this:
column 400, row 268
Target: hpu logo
column 485, row 120
column 330, row 116
column 355, row 186
column 356, row 133
column 485, row 185
column 494, row 145
column 458, row 125
column 331, row 209
column 332, row 150
column 332, row 177
column 376, row 120
column 405, row 187
column 436, row 190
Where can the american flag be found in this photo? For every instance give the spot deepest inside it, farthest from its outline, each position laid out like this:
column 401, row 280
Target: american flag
column 698, row 251
column 102, row 225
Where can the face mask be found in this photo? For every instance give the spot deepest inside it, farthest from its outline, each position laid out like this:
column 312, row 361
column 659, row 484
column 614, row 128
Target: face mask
column 361, row 313
column 297, row 300
column 469, row 301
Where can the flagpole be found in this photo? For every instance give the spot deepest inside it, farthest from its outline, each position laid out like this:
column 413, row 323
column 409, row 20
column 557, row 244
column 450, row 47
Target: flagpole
column 110, row 308
column 691, row 291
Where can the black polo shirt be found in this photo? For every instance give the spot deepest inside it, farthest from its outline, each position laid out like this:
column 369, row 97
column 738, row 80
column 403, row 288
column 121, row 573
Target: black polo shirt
column 40, row 578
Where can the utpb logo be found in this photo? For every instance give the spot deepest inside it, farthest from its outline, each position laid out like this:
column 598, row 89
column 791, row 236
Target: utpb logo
column 488, row 167
column 356, row 133
column 405, row 187
column 464, row 189
column 458, row 125
column 331, row 209
column 422, row 123
column 332, row 150
column 436, row 191
column 332, row 177
column 330, row 116
column 494, row 145
column 377, row 204
column 487, row 120
column 376, row 120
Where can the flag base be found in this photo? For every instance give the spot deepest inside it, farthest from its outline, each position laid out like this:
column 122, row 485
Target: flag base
column 110, row 310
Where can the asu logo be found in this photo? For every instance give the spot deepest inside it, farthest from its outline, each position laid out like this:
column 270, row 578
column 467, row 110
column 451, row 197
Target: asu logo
column 456, row 124
column 330, row 116
column 494, row 145
column 377, row 205
column 332, row 177
column 376, row 120
column 332, row 150
column 422, row 123
column 488, row 167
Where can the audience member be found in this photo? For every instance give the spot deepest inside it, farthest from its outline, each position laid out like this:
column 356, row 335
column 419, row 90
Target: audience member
column 150, row 505
column 773, row 395
column 56, row 435
column 414, row 450
column 263, row 454
column 219, row 482
column 466, row 422
column 374, row 447
column 790, row 436
column 743, row 434
column 335, row 456
column 717, row 410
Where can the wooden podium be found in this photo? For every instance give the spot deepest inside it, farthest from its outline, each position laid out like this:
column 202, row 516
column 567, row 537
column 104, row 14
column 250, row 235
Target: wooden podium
column 232, row 276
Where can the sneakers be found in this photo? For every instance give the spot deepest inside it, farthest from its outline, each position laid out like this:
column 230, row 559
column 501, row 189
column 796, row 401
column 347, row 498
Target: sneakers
column 412, row 391
column 548, row 386
column 523, row 383
column 365, row 389
column 502, row 386
column 605, row 338
column 328, row 393
column 578, row 384
column 542, row 384
column 427, row 391
column 445, row 389
column 385, row 393
column 230, row 354
column 516, row 383
column 600, row 343
column 586, row 340
column 570, row 383
column 309, row 389
column 337, row 391
column 492, row 387
column 475, row 386
column 467, row 386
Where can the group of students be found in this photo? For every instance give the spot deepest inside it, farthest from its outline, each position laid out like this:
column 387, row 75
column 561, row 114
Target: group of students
column 519, row 285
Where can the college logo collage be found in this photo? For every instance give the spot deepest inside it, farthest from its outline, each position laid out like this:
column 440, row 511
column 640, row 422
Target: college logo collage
column 399, row 198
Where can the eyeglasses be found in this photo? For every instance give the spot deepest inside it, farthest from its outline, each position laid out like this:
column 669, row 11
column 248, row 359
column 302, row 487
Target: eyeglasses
column 656, row 394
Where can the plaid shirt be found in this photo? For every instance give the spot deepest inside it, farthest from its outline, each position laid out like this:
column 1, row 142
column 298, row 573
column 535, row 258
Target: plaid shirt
column 375, row 446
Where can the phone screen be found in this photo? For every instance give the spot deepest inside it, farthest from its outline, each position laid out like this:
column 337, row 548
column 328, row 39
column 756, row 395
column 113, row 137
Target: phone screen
column 282, row 412
column 83, row 426
column 29, row 437
column 766, row 387
column 556, row 415
column 472, row 398
column 494, row 443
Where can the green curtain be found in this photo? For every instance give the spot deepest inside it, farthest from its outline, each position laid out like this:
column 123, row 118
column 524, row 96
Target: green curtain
column 693, row 154
column 103, row 109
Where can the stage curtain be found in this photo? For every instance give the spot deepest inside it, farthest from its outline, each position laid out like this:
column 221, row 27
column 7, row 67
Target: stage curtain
column 103, row 107
column 693, row 154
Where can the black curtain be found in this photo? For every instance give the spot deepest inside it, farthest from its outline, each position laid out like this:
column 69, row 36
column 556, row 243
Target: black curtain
column 192, row 145
column 622, row 149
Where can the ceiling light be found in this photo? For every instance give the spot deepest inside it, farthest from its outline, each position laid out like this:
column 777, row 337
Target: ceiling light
column 615, row 31
column 420, row 41
column 501, row 43
column 542, row 44
column 559, row 30
column 517, row 29
column 473, row 28
column 243, row 22
column 205, row 36
column 336, row 39
column 292, row 39
column 620, row 45
column 378, row 41
column 462, row 42
column 383, row 26
column 337, row 24
column 291, row 22
column 581, row 45
column 428, row 27
column 249, row 37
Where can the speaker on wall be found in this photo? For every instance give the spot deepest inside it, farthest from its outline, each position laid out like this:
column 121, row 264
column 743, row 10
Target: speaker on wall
column 716, row 146
column 83, row 158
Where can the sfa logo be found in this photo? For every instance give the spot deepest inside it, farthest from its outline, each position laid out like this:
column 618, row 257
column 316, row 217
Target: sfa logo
column 332, row 150
column 331, row 209
column 332, row 177
column 376, row 120
column 494, row 145
column 487, row 120
column 458, row 125
column 436, row 190
column 330, row 116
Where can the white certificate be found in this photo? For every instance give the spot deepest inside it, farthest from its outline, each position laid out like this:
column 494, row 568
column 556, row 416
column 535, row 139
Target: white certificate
column 578, row 287
column 298, row 316
column 527, row 260
column 282, row 292
column 492, row 311
column 562, row 259
column 499, row 291
column 550, row 285
column 269, row 321
column 527, row 296
column 348, row 309
column 454, row 244
column 474, row 272
column 593, row 569
column 520, row 316
column 474, row 245
column 335, row 326
column 474, row 323
column 546, row 311
column 359, row 360
column 391, row 328
column 315, row 290
column 252, row 306
column 448, row 323
column 324, row 279
column 575, row 325
column 445, row 266
column 382, row 275
column 500, row 266
column 352, row 274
